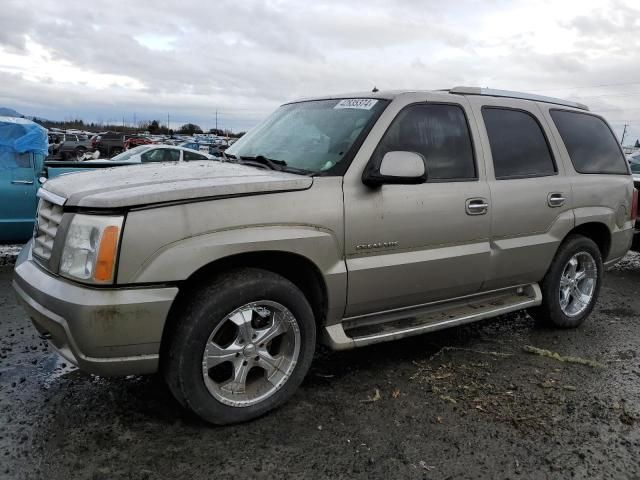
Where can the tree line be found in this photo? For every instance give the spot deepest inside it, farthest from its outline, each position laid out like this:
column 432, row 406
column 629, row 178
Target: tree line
column 154, row 127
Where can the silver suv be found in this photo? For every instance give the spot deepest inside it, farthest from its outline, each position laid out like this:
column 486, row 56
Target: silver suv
column 348, row 220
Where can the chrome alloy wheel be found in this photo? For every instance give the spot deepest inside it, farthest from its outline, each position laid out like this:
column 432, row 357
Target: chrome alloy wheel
column 251, row 354
column 578, row 284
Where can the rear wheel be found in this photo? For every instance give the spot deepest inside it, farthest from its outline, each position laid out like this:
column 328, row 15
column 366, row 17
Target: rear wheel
column 241, row 347
column 571, row 286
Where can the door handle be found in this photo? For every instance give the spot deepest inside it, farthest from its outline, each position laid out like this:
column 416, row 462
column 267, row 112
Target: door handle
column 555, row 199
column 22, row 182
column 476, row 206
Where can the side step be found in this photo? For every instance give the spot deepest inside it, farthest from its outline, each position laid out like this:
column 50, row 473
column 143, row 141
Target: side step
column 393, row 324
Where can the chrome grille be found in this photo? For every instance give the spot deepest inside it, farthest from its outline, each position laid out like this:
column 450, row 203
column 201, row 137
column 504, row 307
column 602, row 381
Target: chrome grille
column 49, row 218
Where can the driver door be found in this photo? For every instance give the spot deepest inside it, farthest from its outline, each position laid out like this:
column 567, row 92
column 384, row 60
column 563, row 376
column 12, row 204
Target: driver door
column 18, row 200
column 407, row 245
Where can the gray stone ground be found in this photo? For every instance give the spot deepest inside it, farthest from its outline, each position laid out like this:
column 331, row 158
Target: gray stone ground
column 8, row 254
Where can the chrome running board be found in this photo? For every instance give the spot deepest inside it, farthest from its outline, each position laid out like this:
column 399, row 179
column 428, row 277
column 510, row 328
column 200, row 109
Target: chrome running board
column 394, row 324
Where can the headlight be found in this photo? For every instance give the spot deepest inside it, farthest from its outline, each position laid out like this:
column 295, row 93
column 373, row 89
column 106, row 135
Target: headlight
column 91, row 247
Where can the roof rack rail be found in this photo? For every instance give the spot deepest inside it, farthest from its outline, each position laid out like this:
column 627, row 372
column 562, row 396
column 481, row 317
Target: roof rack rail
column 491, row 92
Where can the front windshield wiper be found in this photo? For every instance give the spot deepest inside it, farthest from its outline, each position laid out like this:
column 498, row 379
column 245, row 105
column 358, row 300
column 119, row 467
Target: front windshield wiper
column 261, row 161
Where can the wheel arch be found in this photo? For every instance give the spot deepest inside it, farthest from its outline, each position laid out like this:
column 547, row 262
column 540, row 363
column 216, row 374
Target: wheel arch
column 296, row 268
column 596, row 231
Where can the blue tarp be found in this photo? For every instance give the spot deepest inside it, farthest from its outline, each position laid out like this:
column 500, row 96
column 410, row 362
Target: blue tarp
column 19, row 135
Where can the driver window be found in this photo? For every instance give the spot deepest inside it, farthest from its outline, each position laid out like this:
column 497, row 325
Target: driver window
column 438, row 132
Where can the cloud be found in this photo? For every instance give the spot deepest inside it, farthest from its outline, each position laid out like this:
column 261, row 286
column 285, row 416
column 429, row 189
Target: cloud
column 109, row 59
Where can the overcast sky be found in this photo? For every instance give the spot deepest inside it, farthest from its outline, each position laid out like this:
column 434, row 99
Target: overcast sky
column 102, row 60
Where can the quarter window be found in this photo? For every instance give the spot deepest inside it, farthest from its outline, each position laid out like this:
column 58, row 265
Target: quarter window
column 190, row 156
column 439, row 132
column 518, row 146
column 590, row 143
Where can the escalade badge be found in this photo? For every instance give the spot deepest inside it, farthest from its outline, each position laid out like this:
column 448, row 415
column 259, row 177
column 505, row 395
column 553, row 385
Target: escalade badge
column 371, row 246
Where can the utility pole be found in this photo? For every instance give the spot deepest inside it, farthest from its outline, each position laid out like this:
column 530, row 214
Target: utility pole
column 168, row 128
column 624, row 132
column 135, row 125
column 216, row 121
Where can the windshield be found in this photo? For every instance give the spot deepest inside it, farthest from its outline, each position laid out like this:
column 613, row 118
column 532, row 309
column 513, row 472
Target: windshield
column 126, row 155
column 313, row 136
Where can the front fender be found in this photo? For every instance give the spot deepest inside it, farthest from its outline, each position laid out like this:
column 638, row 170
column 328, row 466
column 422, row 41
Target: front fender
column 178, row 260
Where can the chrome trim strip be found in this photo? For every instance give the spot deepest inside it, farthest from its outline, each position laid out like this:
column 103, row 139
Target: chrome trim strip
column 51, row 197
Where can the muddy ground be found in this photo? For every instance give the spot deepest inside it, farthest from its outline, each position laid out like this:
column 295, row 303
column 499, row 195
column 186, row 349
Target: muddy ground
column 468, row 402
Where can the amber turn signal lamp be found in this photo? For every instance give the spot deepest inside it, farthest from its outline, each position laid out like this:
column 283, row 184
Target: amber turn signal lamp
column 107, row 254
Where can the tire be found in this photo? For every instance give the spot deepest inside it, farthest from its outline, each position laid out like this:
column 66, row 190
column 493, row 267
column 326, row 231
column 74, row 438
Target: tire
column 221, row 321
column 563, row 310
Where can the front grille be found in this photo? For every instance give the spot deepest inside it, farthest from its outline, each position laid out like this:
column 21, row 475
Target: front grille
column 49, row 217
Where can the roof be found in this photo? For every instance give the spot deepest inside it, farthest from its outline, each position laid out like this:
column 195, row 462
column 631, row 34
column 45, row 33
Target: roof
column 391, row 94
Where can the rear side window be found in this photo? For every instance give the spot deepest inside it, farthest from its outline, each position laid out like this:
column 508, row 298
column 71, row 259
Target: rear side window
column 518, row 145
column 439, row 132
column 590, row 142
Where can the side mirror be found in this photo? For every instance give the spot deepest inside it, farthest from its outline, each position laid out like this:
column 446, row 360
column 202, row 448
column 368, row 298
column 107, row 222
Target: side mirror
column 405, row 168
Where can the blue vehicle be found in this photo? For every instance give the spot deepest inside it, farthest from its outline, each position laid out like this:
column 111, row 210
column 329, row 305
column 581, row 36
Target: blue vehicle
column 23, row 168
column 23, row 147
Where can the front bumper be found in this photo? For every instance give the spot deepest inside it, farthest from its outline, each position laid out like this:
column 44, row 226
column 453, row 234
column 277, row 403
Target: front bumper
column 108, row 332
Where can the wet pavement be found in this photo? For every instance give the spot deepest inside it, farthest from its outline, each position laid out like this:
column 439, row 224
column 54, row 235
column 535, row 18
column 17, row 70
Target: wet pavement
column 469, row 402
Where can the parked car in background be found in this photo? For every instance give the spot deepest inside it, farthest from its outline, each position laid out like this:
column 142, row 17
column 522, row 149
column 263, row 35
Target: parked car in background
column 634, row 165
column 211, row 148
column 348, row 219
column 69, row 146
column 136, row 141
column 156, row 153
column 21, row 174
column 108, row 143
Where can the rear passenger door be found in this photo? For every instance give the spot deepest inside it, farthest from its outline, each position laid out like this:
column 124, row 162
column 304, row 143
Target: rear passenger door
column 530, row 194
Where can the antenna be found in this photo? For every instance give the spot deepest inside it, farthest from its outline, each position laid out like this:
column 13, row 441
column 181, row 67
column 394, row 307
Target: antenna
column 375, row 89
column 624, row 132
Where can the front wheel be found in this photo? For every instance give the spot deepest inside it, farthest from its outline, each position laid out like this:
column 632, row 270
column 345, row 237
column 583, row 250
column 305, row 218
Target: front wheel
column 571, row 286
column 242, row 346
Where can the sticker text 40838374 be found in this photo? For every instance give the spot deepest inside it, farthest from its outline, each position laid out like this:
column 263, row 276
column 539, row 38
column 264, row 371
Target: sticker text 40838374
column 361, row 103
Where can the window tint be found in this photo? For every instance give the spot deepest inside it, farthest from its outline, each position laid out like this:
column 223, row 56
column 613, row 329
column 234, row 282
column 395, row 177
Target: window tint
column 192, row 156
column 439, row 133
column 518, row 145
column 590, row 142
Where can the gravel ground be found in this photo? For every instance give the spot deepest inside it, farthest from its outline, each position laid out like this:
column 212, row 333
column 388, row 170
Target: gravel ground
column 8, row 254
column 468, row 402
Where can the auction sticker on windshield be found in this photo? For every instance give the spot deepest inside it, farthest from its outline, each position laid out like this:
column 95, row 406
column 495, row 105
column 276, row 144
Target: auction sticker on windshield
column 361, row 103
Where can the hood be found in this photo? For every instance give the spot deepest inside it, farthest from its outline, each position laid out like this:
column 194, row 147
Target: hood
column 169, row 182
